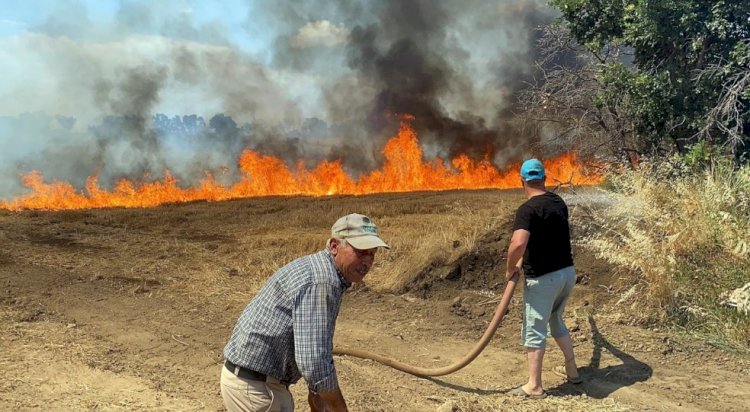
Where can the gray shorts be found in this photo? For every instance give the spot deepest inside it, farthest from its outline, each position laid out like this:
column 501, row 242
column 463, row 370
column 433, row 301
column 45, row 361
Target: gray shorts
column 544, row 299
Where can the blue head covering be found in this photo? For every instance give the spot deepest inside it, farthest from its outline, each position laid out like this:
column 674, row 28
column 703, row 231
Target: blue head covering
column 532, row 169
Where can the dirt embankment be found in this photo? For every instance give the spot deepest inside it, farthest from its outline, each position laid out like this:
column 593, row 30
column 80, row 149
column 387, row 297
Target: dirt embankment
column 130, row 310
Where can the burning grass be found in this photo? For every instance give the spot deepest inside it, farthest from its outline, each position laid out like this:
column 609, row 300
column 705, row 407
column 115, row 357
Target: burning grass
column 404, row 170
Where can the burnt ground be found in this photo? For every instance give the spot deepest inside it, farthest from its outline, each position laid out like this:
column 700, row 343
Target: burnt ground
column 108, row 310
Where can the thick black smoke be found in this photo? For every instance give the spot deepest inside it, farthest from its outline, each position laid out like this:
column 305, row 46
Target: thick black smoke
column 333, row 85
column 455, row 66
column 410, row 54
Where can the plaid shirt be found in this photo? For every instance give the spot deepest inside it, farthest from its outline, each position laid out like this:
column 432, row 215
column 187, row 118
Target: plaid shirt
column 287, row 329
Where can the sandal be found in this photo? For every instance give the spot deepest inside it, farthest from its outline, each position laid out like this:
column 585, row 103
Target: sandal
column 522, row 393
column 560, row 371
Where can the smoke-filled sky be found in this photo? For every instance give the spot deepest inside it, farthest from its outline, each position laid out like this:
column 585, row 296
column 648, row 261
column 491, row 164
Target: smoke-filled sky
column 83, row 80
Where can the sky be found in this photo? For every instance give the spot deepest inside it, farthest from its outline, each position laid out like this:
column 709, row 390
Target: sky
column 71, row 66
column 35, row 32
column 20, row 16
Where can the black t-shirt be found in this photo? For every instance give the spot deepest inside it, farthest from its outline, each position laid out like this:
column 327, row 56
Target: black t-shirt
column 546, row 217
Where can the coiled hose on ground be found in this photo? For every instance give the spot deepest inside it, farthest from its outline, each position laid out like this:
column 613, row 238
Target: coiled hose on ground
column 502, row 309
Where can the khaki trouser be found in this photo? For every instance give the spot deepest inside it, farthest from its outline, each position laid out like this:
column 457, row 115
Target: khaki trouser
column 244, row 395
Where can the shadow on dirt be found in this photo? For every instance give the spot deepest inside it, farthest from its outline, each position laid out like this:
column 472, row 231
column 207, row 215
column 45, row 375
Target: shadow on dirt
column 600, row 382
column 455, row 387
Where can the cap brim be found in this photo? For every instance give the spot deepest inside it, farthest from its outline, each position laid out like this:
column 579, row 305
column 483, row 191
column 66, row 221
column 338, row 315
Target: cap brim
column 367, row 242
column 533, row 178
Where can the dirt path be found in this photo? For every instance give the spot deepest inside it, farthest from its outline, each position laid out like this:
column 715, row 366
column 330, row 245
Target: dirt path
column 635, row 368
column 89, row 335
column 97, row 344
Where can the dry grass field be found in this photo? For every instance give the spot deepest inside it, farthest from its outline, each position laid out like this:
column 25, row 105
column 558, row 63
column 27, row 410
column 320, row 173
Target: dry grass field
column 129, row 309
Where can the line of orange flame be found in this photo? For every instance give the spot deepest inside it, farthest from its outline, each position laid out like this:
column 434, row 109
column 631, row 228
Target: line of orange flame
column 404, row 170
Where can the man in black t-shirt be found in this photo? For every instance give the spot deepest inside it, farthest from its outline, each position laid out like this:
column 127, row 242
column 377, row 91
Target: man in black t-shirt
column 541, row 236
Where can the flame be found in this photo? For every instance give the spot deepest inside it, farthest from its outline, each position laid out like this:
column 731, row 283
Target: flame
column 404, row 170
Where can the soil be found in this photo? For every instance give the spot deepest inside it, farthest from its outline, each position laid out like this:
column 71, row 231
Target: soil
column 85, row 333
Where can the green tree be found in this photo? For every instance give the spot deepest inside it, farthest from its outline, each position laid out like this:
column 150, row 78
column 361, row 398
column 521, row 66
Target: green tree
column 689, row 79
column 570, row 107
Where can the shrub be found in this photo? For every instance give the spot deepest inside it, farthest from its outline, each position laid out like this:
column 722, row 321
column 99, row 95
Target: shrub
column 681, row 232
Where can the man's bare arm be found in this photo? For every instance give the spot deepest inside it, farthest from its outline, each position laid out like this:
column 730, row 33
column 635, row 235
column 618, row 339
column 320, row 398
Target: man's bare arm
column 516, row 249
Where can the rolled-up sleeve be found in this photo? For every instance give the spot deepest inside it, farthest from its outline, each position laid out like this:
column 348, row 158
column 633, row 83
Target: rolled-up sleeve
column 314, row 320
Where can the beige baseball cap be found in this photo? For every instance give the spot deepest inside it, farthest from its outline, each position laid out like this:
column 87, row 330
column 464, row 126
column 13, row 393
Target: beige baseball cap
column 359, row 230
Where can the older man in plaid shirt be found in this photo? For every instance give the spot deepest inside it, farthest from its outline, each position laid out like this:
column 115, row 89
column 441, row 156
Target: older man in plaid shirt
column 286, row 332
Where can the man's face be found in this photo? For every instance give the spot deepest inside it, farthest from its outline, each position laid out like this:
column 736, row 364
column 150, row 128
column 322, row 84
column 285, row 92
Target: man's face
column 353, row 263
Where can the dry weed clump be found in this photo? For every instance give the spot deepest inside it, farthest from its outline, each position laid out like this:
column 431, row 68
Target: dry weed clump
column 682, row 234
